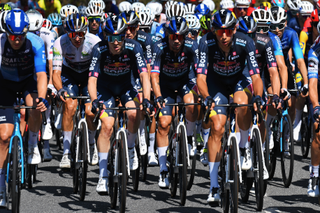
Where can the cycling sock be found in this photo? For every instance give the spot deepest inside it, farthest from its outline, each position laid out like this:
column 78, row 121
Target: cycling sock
column 48, row 112
column 151, row 141
column 46, row 144
column 213, row 169
column 238, row 135
column 142, row 124
column 92, row 134
column 66, row 141
column 131, row 139
column 198, row 125
column 33, row 138
column 205, row 136
column 297, row 121
column 190, row 127
column 315, row 171
column 162, row 152
column 2, row 178
column 103, row 163
column 244, row 138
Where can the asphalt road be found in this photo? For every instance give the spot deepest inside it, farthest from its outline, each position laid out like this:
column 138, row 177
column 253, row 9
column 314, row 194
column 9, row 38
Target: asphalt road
column 53, row 192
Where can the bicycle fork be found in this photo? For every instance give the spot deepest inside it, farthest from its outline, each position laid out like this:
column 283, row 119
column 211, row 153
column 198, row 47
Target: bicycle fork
column 82, row 120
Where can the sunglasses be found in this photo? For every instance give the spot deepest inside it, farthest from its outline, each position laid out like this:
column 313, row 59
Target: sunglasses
column 175, row 37
column 132, row 28
column 193, row 32
column 74, row 35
column 15, row 37
column 97, row 19
column 294, row 12
column 281, row 26
column 242, row 8
column 113, row 38
column 264, row 29
column 220, row 32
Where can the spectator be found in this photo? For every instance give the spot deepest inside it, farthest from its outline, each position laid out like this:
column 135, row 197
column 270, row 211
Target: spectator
column 50, row 6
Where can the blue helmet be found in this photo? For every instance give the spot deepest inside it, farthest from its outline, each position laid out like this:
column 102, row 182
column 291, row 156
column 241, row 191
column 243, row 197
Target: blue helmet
column 177, row 25
column 115, row 25
column 202, row 9
column 279, row 3
column 247, row 24
column 55, row 19
column 76, row 23
column 224, row 19
column 16, row 22
column 160, row 31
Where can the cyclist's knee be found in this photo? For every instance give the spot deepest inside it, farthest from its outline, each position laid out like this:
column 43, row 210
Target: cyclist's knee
column 70, row 107
column 106, row 128
column 132, row 115
column 164, row 126
column 5, row 138
column 217, row 129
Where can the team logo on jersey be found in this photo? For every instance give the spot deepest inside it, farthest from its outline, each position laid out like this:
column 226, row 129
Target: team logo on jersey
column 117, row 64
column 234, row 53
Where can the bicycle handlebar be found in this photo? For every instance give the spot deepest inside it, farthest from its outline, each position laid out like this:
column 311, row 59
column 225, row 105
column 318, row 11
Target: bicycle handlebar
column 44, row 120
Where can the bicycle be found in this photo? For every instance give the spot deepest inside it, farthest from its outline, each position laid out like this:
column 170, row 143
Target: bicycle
column 306, row 130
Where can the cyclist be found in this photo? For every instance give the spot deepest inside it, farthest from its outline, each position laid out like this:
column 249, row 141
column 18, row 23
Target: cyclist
column 296, row 21
column 241, row 7
column 67, row 10
column 71, row 60
column 94, row 14
column 57, row 28
column 23, row 56
column 113, row 60
column 172, row 58
column 227, row 4
column 156, row 9
column 110, row 7
column 50, row 6
column 232, row 58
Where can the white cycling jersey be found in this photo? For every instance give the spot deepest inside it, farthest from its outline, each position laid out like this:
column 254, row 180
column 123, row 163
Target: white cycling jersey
column 77, row 59
column 48, row 39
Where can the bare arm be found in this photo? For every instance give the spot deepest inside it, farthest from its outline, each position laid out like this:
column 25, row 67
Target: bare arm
column 155, row 81
column 275, row 80
column 146, row 86
column 283, row 71
column 42, row 84
column 50, row 71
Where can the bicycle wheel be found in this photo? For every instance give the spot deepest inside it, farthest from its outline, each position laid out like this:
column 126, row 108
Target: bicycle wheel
column 113, row 185
column 257, row 168
column 83, row 157
column 173, row 177
column 123, row 171
column 183, row 166
column 287, row 160
column 136, row 173
column 223, row 170
column 233, row 169
column 15, row 178
column 245, row 187
column 305, row 138
column 191, row 171
column 274, row 152
column 75, row 179
column 266, row 152
column 144, row 158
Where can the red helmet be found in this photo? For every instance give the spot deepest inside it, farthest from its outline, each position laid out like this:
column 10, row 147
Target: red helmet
column 315, row 16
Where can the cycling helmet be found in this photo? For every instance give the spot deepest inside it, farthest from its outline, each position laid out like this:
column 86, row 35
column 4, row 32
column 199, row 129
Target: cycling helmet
column 16, row 22
column 125, row 6
column 268, row 4
column 35, row 20
column 169, row 4
column 226, row 4
column 11, row 5
column 315, row 16
column 99, row 3
column 294, row 5
column 133, row 1
column 318, row 27
column 243, row 3
column 202, row 9
column 175, row 10
column 277, row 3
column 131, row 17
column 210, row 4
column 5, row 7
column 224, row 19
column 82, row 10
column 189, row 9
column 177, row 25
column 137, row 6
column 306, row 8
column 156, row 7
column 47, row 24
column 193, row 22
column 3, row 15
column 278, row 15
column 55, row 19
column 262, row 16
column 67, row 10
column 145, row 18
column 115, row 25
column 76, row 23
column 206, row 22
column 94, row 10
column 247, row 24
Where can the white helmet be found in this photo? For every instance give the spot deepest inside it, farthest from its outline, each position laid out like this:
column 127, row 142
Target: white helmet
column 278, row 15
column 262, row 16
column 137, row 6
column 145, row 18
column 294, row 5
column 47, row 24
column 175, row 10
column 94, row 10
column 226, row 4
column 210, row 4
column 306, row 8
column 35, row 19
column 189, row 8
column 125, row 6
column 100, row 3
column 169, row 3
column 242, row 2
column 193, row 22
column 318, row 25
column 67, row 10
column 156, row 7
column 3, row 15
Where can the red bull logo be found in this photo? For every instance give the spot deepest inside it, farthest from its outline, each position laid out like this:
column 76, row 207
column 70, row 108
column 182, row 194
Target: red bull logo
column 226, row 63
column 175, row 65
column 117, row 64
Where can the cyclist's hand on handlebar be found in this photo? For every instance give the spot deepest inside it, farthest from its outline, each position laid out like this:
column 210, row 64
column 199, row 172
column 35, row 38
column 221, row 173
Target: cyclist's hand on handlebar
column 95, row 106
column 276, row 101
column 61, row 94
column 316, row 113
column 53, row 90
column 285, row 94
column 42, row 104
column 257, row 103
column 209, row 102
column 304, row 90
column 147, row 106
column 159, row 102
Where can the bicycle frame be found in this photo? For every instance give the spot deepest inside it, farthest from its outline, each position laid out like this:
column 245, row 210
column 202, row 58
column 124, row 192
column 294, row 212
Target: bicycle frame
column 283, row 113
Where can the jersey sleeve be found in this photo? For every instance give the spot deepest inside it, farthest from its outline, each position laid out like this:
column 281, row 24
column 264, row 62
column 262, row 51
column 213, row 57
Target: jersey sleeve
column 57, row 55
column 156, row 58
column 48, row 41
column 270, row 57
column 313, row 64
column 296, row 45
column 195, row 51
column 203, row 57
column 141, row 64
column 277, row 45
column 149, row 50
column 39, row 53
column 94, row 69
column 251, row 58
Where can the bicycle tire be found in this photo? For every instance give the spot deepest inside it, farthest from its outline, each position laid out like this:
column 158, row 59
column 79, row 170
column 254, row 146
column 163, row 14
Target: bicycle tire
column 75, row 179
column 305, row 140
column 267, row 150
column 287, row 175
column 113, row 185
column 245, row 187
column 183, row 169
column 16, row 181
column 144, row 158
column 233, row 196
column 173, row 177
column 123, row 182
column 224, row 189
column 136, row 173
column 191, row 170
column 274, row 152
column 257, row 164
column 83, row 155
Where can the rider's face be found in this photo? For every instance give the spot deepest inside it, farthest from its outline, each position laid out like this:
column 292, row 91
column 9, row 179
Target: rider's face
column 16, row 42
column 224, row 36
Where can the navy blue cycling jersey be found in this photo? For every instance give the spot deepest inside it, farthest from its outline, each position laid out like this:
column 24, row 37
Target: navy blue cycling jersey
column 174, row 67
column 264, row 51
column 145, row 40
column 290, row 40
column 293, row 23
column 276, row 44
column 17, row 65
column 215, row 64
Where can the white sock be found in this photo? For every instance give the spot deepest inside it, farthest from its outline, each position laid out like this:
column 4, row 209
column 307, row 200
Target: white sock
column 213, row 170
column 46, row 144
column 244, row 138
column 315, row 171
column 297, row 121
column 92, row 134
column 142, row 124
column 131, row 139
column 33, row 138
column 151, row 141
column 198, row 125
column 48, row 112
column 66, row 141
column 103, row 163
column 205, row 136
column 238, row 135
column 190, row 127
column 2, row 178
column 162, row 152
